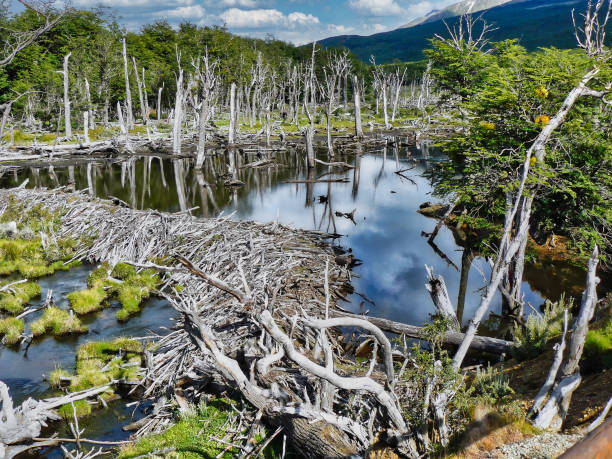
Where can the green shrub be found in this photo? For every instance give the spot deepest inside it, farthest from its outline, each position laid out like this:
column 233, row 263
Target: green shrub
column 539, row 329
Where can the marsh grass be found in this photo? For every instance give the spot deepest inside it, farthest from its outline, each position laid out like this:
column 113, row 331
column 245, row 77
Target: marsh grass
column 101, row 362
column 81, row 407
column 14, row 301
column 88, row 300
column 11, row 328
column 57, row 322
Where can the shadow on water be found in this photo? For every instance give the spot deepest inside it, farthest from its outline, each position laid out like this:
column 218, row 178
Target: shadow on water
column 385, row 235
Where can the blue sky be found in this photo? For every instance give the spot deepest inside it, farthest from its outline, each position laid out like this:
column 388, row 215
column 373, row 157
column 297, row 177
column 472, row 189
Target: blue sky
column 296, row 21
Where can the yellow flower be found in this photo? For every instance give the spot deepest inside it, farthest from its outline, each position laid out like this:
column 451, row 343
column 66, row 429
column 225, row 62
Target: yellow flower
column 542, row 120
column 487, row 125
column 541, row 92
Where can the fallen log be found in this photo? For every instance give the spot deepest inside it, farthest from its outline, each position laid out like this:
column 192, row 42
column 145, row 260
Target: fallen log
column 480, row 343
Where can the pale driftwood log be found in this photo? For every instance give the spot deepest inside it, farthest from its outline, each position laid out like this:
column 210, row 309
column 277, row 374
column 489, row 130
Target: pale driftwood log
column 22, row 424
column 479, row 343
column 357, row 383
column 553, row 413
column 360, row 323
column 439, row 295
column 601, row 418
column 552, row 373
column 316, row 433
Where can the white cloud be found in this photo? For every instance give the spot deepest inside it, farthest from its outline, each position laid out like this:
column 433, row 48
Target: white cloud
column 340, row 29
column 254, row 19
column 183, row 12
column 228, row 3
column 376, row 7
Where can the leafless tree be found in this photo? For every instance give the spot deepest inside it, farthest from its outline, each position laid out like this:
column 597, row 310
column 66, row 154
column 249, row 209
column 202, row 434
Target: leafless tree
column 206, row 72
column 469, row 33
column 338, row 65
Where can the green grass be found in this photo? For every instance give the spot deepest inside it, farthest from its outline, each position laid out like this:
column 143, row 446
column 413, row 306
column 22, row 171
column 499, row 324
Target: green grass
column 81, row 407
column 134, row 288
column 57, row 322
column 11, row 328
column 191, row 436
column 88, row 300
column 14, row 301
column 597, row 354
column 55, row 377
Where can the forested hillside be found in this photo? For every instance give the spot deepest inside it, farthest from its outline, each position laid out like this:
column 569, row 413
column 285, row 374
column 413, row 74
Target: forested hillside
column 535, row 23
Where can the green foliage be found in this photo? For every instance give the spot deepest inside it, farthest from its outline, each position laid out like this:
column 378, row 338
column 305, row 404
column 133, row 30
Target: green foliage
column 55, row 377
column 191, row 437
column 57, row 322
column 510, row 95
column 539, row 329
column 11, row 329
column 597, row 354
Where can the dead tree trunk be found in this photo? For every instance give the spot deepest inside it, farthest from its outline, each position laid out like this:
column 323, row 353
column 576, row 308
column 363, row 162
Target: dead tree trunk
column 143, row 110
column 358, row 127
column 232, row 120
column 92, row 123
column 159, row 95
column 309, row 147
column 128, row 94
column 67, row 121
column 178, row 115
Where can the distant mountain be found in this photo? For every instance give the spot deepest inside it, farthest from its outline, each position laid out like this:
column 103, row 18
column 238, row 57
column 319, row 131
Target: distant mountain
column 535, row 23
column 456, row 9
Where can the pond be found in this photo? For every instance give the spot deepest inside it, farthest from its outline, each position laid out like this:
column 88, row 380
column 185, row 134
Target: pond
column 385, row 234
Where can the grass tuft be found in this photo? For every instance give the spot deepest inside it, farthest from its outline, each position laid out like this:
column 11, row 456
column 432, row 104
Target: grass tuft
column 11, row 328
column 87, row 301
column 57, row 322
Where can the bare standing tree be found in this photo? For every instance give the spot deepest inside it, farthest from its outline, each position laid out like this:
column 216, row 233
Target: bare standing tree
column 469, row 33
column 382, row 80
column 333, row 72
column 128, row 93
column 207, row 76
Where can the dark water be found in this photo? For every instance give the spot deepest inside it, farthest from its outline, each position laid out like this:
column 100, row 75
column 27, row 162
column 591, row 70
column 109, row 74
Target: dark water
column 24, row 368
column 385, row 237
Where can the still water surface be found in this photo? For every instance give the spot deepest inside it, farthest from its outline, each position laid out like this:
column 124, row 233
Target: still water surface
column 386, row 236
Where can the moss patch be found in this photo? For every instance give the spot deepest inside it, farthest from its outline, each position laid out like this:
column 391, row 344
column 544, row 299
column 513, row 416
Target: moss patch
column 191, row 436
column 57, row 322
column 11, row 329
column 598, row 349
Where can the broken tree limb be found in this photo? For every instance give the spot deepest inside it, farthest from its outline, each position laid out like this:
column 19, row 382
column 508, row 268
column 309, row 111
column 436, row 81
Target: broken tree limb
column 479, row 343
column 439, row 295
column 553, row 413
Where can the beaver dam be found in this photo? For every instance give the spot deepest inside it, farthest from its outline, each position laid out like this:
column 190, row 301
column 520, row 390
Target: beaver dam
column 169, row 309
